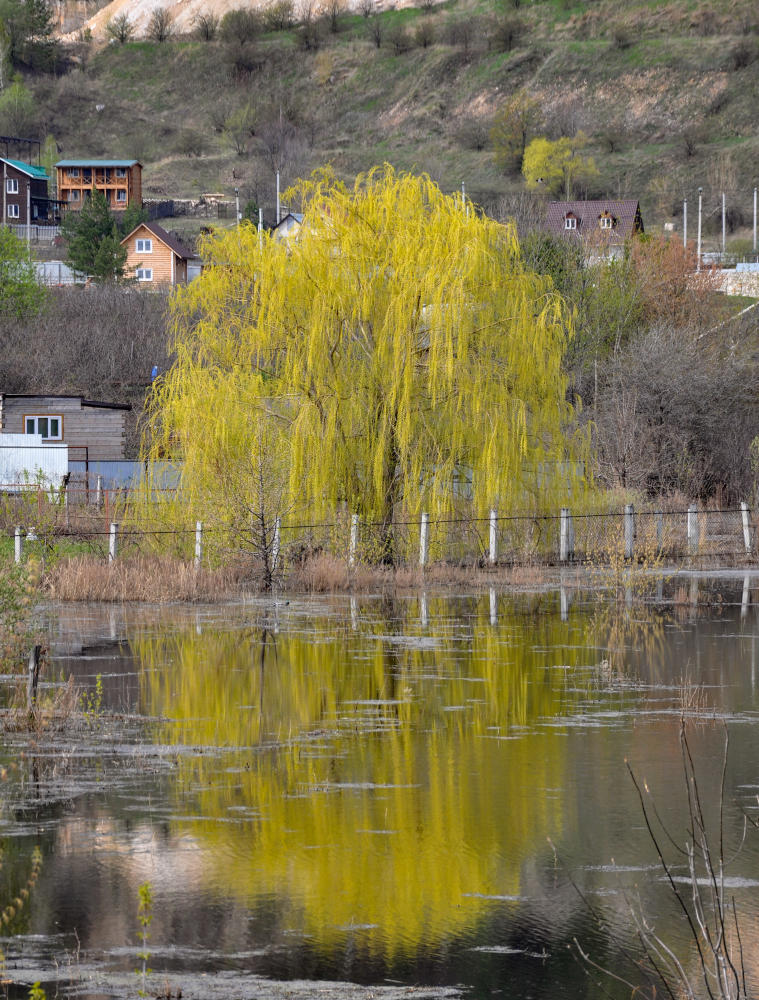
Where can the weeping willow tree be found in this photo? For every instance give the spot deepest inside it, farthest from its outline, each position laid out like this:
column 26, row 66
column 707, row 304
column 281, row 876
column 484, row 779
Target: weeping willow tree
column 397, row 347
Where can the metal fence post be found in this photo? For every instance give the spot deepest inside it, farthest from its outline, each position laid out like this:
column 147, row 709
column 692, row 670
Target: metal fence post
column 18, row 546
column 198, row 543
column 353, row 542
column 424, row 539
column 112, row 543
column 745, row 518
column 629, row 531
column 564, row 535
column 692, row 528
column 493, row 549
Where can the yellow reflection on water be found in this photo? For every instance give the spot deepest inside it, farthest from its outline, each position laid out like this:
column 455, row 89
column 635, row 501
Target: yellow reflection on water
column 380, row 781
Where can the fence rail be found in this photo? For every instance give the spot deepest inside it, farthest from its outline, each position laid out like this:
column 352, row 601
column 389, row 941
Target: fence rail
column 694, row 535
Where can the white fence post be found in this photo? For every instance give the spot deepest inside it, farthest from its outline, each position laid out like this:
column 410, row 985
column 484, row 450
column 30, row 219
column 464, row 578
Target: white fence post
column 493, row 549
column 353, row 542
column 564, row 535
column 424, row 531
column 112, row 542
column 275, row 544
column 18, row 546
column 99, row 492
column 629, row 531
column 198, row 543
column 692, row 528
column 745, row 517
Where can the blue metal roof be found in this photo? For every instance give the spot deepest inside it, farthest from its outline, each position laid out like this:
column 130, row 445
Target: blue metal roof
column 98, row 163
column 26, row 168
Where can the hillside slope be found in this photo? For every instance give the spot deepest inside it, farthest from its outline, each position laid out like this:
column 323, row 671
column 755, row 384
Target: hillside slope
column 663, row 88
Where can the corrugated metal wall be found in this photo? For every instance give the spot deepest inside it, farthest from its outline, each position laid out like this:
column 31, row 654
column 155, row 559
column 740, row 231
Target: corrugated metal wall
column 24, row 459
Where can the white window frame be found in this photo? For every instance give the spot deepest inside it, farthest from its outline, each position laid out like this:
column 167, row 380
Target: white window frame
column 13, row 211
column 144, row 273
column 11, row 185
column 121, row 171
column 35, row 419
column 570, row 223
column 74, row 172
column 121, row 196
column 144, row 246
column 607, row 222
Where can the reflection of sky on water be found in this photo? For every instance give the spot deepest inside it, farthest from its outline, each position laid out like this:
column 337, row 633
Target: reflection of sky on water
column 326, row 795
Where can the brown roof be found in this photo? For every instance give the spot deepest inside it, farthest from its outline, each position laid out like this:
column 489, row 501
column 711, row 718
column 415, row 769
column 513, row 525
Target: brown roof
column 160, row 234
column 56, row 395
column 625, row 215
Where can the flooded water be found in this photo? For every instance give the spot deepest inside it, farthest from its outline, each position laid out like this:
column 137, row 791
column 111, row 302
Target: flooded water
column 429, row 791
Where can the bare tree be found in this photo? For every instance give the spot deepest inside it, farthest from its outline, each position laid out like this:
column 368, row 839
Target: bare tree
column 120, row 28
column 206, row 26
column 161, row 25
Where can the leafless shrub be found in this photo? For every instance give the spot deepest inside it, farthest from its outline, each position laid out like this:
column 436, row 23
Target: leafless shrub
column 280, row 15
column 743, row 54
column 120, row 28
column 524, row 208
column 206, row 26
column 424, row 34
column 690, row 137
column 506, row 32
column 333, row 11
column 474, row 133
column 240, row 26
column 461, row 32
column 399, row 39
column 189, row 142
column 310, row 32
column 621, row 37
column 376, row 30
column 241, row 59
column 161, row 25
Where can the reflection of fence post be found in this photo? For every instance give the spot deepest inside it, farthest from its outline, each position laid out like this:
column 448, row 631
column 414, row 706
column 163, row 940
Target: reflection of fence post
column 659, row 530
column 493, row 549
column 112, row 544
column 198, row 543
column 564, row 535
column 692, row 531
column 18, row 545
column 353, row 541
column 746, row 527
column 275, row 544
column 629, row 530
column 424, row 532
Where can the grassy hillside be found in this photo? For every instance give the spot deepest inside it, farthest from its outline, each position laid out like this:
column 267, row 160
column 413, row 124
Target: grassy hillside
column 663, row 89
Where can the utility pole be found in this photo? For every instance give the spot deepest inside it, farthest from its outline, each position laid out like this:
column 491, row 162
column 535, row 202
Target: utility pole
column 723, row 224
column 237, row 205
column 685, row 223
column 754, row 220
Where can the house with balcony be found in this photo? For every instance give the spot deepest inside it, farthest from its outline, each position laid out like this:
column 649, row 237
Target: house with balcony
column 25, row 197
column 120, row 181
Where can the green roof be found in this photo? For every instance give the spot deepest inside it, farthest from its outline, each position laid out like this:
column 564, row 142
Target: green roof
column 27, row 168
column 97, row 163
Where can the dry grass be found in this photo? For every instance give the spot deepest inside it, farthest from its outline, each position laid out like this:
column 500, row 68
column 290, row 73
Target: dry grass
column 52, row 712
column 156, row 579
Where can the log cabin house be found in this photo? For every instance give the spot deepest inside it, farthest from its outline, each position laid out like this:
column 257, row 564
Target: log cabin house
column 94, row 431
column 119, row 180
column 25, row 195
column 154, row 257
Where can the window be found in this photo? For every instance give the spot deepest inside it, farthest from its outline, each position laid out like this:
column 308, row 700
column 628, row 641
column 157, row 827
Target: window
column 13, row 212
column 144, row 246
column 121, row 171
column 11, row 185
column 607, row 222
column 121, row 196
column 570, row 223
column 74, row 172
column 73, row 196
column 50, row 426
column 144, row 273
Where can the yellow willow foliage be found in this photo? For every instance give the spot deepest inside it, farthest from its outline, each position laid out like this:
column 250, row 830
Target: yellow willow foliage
column 383, row 784
column 398, row 343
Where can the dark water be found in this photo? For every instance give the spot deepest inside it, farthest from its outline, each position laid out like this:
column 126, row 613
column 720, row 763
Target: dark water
column 431, row 791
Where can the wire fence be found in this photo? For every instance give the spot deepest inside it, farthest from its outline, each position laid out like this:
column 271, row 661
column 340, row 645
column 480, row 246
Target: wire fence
column 100, row 522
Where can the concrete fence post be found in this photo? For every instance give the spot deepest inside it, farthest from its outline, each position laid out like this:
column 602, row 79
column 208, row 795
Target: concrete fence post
column 276, row 544
column 746, row 520
column 424, row 532
column 18, row 546
column 629, row 531
column 198, row 543
column 493, row 548
column 112, row 542
column 99, row 492
column 353, row 542
column 692, row 529
column 564, row 535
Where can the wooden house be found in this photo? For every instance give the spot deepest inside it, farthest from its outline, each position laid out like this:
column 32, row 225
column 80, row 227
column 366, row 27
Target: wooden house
column 119, row 180
column 94, row 431
column 25, row 195
column 154, row 257
column 602, row 226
